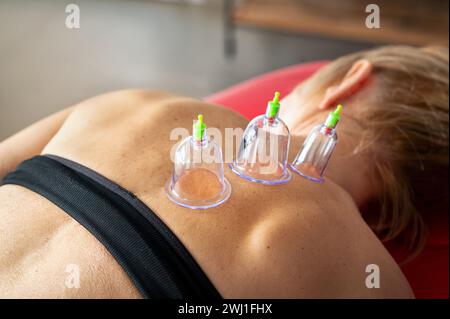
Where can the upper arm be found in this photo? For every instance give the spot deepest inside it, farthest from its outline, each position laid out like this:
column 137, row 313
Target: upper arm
column 30, row 141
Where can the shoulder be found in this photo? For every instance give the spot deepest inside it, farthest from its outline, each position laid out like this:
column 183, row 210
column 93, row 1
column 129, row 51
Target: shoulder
column 158, row 105
column 123, row 98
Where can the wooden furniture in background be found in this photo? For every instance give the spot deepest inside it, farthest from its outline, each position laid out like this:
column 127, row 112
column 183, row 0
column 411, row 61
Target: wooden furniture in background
column 416, row 22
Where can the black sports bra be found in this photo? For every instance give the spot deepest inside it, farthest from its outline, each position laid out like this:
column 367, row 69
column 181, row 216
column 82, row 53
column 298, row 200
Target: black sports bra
column 153, row 257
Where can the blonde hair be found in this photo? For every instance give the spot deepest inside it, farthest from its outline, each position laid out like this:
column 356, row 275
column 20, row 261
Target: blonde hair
column 406, row 123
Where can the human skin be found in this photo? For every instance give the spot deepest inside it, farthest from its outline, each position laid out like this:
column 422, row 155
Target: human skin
column 297, row 240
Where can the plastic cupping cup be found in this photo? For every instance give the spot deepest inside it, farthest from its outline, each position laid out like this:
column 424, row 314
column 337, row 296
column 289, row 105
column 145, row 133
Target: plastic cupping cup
column 198, row 180
column 263, row 152
column 314, row 155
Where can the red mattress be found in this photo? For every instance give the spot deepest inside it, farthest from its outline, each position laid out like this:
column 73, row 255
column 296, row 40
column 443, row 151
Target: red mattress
column 428, row 273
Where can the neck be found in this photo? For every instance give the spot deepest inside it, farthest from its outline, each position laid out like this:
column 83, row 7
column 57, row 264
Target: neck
column 352, row 173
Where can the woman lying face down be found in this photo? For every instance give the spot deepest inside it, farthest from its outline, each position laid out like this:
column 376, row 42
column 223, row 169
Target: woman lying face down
column 89, row 218
column 396, row 133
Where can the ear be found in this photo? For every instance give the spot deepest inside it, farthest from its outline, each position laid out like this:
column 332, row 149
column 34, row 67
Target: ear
column 352, row 82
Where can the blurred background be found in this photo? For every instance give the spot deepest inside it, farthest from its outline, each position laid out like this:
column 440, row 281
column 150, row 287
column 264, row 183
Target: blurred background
column 191, row 47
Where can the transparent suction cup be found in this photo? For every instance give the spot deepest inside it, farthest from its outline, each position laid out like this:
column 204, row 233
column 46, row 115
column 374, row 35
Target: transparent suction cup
column 262, row 155
column 313, row 157
column 198, row 181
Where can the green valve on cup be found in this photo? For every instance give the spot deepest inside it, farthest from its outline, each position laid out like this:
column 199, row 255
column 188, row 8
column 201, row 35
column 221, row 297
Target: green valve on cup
column 273, row 106
column 199, row 128
column 334, row 117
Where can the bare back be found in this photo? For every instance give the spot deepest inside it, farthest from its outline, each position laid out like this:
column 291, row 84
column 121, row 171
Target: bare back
column 298, row 240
